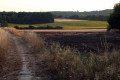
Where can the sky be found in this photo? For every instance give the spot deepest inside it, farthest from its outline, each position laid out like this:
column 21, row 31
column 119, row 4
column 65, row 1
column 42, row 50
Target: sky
column 56, row 5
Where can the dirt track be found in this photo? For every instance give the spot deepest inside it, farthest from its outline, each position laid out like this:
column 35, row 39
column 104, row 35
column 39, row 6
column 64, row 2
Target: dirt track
column 69, row 30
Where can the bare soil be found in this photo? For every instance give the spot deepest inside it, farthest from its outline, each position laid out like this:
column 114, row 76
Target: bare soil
column 85, row 41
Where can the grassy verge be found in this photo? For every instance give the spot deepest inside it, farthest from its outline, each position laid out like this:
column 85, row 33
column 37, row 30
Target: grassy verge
column 10, row 62
column 3, row 47
column 68, row 64
column 71, row 25
column 3, row 50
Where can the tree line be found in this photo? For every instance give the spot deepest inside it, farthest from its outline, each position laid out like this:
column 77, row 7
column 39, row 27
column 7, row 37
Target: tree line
column 27, row 17
column 85, row 13
column 90, row 17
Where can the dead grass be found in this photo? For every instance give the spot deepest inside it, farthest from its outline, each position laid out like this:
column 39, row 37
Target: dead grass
column 3, row 39
column 10, row 62
column 15, row 32
column 33, row 40
column 3, row 48
column 69, row 64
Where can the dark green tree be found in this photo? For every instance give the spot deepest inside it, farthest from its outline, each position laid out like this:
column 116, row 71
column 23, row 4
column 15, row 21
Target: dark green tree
column 114, row 18
column 27, row 17
column 4, row 24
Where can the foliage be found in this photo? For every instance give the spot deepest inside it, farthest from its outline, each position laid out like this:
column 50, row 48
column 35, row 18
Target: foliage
column 4, row 24
column 114, row 18
column 65, row 14
column 41, row 27
column 71, row 25
column 27, row 17
column 90, row 17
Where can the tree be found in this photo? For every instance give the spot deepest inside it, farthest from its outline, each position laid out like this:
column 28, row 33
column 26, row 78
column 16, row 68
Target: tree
column 114, row 18
column 4, row 24
column 27, row 17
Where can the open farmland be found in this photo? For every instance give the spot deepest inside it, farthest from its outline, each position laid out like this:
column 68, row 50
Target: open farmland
column 44, row 55
column 71, row 24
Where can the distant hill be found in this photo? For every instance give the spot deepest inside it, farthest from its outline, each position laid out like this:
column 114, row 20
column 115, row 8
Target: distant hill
column 70, row 13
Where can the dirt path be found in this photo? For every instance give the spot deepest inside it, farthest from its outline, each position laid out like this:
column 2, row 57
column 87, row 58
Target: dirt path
column 26, row 73
column 68, row 30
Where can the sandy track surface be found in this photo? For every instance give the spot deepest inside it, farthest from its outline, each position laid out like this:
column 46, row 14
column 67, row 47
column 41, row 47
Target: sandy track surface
column 26, row 73
column 66, row 20
column 69, row 30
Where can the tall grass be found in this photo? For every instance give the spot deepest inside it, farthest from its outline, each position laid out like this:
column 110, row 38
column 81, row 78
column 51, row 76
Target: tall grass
column 3, row 47
column 33, row 40
column 69, row 64
column 15, row 32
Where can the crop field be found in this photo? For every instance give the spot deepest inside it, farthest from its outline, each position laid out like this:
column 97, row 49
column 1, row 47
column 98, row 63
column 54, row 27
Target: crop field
column 71, row 24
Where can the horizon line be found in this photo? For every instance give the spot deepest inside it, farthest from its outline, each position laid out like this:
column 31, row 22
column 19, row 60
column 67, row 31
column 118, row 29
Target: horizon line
column 58, row 11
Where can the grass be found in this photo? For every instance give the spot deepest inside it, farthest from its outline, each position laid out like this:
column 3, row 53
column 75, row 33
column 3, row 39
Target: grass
column 69, row 64
column 15, row 32
column 33, row 40
column 3, row 48
column 72, row 25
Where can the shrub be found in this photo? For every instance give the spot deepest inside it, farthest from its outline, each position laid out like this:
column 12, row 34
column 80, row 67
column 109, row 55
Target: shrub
column 31, row 27
column 114, row 18
column 16, row 27
column 41, row 27
column 4, row 24
column 59, row 27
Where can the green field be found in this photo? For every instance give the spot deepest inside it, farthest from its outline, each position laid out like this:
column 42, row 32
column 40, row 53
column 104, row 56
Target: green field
column 72, row 25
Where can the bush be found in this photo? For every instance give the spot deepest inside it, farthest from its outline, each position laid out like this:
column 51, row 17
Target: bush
column 4, row 24
column 31, row 27
column 17, row 27
column 59, row 27
column 41, row 27
column 114, row 18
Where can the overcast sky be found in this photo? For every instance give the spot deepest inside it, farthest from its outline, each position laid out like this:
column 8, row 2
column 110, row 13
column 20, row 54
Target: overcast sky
column 56, row 5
